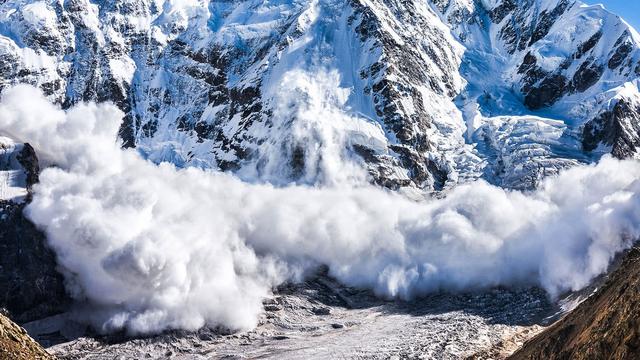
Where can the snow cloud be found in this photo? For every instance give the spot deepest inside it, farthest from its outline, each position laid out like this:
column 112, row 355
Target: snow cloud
column 151, row 247
column 308, row 122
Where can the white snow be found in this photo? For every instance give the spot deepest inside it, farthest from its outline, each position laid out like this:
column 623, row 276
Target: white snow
column 152, row 247
column 143, row 234
column 38, row 14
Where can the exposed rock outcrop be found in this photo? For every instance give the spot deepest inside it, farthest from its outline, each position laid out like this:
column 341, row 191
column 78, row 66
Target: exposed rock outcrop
column 15, row 343
column 199, row 84
column 617, row 129
column 605, row 326
column 30, row 286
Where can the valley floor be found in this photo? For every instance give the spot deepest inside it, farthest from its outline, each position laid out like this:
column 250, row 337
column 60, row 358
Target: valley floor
column 320, row 319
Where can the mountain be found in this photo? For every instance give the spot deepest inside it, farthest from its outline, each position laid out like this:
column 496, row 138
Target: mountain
column 15, row 344
column 407, row 94
column 18, row 170
column 605, row 326
column 422, row 94
column 30, row 286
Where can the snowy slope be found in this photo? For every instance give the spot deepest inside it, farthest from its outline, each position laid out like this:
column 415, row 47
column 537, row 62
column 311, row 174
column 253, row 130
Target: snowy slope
column 540, row 75
column 404, row 94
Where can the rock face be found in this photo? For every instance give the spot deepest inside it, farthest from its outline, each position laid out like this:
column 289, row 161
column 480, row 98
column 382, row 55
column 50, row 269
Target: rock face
column 605, row 326
column 15, row 344
column 30, row 286
column 617, row 128
column 418, row 93
column 19, row 170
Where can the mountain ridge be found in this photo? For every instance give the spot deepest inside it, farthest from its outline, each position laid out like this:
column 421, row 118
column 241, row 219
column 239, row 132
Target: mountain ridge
column 604, row 326
column 411, row 86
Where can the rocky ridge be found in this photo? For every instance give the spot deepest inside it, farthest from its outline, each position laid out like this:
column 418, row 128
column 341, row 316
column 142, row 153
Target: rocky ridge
column 30, row 286
column 605, row 326
column 422, row 95
column 422, row 86
column 15, row 343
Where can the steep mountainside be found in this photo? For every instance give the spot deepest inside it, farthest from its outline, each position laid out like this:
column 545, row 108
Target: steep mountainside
column 30, row 287
column 407, row 94
column 423, row 94
column 15, row 344
column 605, row 326
column 18, row 170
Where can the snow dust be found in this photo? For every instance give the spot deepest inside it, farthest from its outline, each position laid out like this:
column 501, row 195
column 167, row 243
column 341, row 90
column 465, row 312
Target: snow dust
column 152, row 247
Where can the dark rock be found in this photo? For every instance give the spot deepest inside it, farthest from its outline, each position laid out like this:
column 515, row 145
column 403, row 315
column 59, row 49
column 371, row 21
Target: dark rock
column 541, row 88
column 29, row 161
column 321, row 311
column 546, row 20
column 605, row 326
column 618, row 128
column 501, row 11
column 620, row 55
column 550, row 90
column 588, row 45
column 30, row 286
column 517, row 30
column 587, row 75
column 528, row 63
column 421, row 170
column 272, row 307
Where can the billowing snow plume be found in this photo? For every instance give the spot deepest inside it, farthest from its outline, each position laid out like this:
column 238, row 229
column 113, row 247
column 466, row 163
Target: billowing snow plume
column 151, row 247
column 309, row 133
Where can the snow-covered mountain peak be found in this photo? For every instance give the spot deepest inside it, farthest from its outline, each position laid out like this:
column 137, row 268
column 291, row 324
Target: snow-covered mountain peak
column 423, row 94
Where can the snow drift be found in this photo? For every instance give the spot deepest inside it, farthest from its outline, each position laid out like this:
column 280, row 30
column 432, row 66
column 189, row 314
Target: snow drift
column 151, row 247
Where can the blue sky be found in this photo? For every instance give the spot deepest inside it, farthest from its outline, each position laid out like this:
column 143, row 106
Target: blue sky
column 628, row 9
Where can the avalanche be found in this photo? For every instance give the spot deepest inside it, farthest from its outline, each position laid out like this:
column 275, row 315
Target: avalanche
column 152, row 247
column 254, row 130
